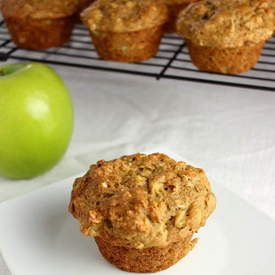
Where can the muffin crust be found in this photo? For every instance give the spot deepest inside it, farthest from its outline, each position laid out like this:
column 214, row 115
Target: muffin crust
column 142, row 201
column 124, row 15
column 40, row 34
column 131, row 47
column 42, row 9
column 151, row 259
column 226, row 23
column 225, row 60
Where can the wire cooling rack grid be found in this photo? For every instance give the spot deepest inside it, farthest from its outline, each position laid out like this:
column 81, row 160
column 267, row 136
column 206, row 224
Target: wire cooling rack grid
column 171, row 62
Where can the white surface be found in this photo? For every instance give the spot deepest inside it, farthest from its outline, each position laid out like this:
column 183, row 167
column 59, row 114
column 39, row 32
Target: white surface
column 228, row 132
column 49, row 241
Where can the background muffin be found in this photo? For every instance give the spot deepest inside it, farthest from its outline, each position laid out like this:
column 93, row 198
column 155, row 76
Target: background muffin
column 39, row 24
column 126, row 30
column 174, row 8
column 83, row 4
column 226, row 36
column 142, row 209
column 273, row 7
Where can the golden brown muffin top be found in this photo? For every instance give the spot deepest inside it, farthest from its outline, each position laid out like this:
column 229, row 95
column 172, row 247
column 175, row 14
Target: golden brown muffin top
column 142, row 200
column 226, row 23
column 124, row 15
column 39, row 9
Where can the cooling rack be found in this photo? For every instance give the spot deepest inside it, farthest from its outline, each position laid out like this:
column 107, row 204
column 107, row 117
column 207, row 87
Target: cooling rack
column 171, row 62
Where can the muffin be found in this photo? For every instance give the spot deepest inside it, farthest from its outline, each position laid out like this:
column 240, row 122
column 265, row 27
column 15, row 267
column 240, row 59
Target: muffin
column 143, row 210
column 39, row 24
column 226, row 36
column 126, row 30
column 273, row 7
column 82, row 5
column 174, row 8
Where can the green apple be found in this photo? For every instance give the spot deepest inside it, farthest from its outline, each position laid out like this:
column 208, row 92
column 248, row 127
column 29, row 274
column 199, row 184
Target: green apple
column 36, row 119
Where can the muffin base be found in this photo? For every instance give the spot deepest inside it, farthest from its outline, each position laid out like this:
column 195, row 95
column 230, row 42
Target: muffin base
column 173, row 12
column 227, row 60
column 151, row 259
column 40, row 34
column 128, row 47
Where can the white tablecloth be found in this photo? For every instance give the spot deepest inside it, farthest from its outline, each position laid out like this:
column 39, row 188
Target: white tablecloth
column 228, row 131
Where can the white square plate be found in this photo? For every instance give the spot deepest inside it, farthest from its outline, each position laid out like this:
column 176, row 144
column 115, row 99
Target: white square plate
column 39, row 237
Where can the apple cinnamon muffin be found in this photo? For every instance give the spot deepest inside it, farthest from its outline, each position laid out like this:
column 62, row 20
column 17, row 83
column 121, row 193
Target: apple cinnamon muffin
column 39, row 24
column 126, row 30
column 174, row 8
column 226, row 36
column 143, row 210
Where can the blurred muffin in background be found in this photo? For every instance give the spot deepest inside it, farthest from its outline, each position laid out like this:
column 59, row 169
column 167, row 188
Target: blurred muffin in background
column 126, row 30
column 83, row 4
column 142, row 209
column 226, row 36
column 174, row 8
column 273, row 7
column 39, row 24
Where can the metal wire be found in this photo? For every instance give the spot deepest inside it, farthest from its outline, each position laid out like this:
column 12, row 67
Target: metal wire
column 171, row 62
